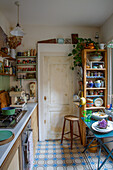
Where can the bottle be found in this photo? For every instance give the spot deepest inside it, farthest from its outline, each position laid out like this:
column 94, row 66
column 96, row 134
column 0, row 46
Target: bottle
column 11, row 71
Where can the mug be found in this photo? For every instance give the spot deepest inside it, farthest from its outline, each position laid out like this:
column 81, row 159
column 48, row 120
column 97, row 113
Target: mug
column 102, row 46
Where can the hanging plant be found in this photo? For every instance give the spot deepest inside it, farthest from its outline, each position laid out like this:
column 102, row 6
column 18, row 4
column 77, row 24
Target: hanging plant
column 83, row 43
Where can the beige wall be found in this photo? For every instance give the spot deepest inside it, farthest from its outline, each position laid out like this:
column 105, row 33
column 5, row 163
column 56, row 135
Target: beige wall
column 36, row 33
column 107, row 30
column 4, row 23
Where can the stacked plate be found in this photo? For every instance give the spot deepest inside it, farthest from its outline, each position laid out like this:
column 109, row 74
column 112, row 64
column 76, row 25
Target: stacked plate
column 106, row 130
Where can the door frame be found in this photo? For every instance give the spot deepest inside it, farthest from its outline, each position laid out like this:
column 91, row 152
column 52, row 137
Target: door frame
column 44, row 50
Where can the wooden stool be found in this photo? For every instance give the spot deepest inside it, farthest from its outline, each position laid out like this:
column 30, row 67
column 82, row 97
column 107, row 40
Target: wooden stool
column 71, row 119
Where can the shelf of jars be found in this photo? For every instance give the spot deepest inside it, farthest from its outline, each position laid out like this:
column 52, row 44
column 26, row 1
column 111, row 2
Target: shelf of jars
column 26, row 64
column 26, row 57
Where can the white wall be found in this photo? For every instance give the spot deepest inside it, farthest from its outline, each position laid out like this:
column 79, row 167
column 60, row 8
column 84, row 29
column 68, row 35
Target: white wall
column 36, row 33
column 107, row 30
column 4, row 23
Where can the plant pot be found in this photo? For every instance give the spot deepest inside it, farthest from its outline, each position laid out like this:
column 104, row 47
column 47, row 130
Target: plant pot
column 13, row 53
column 90, row 46
column 93, row 144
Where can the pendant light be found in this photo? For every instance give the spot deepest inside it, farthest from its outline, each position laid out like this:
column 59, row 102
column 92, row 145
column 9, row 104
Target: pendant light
column 17, row 31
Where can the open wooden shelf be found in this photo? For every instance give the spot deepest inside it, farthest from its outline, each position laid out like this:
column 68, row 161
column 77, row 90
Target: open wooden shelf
column 96, row 69
column 94, row 88
column 2, row 54
column 94, row 95
column 85, row 54
column 3, row 74
column 89, row 108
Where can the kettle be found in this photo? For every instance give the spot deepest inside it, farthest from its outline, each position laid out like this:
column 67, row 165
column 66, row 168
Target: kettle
column 80, row 98
column 82, row 101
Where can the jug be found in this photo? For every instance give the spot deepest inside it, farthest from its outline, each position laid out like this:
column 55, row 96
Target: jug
column 87, row 115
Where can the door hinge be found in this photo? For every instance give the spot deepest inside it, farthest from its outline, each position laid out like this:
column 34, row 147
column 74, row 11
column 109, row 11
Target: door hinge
column 44, row 121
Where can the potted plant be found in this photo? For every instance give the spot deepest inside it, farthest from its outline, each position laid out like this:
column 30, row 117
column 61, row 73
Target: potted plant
column 77, row 50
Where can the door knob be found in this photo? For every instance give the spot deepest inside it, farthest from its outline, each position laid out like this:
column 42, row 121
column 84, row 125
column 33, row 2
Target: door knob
column 45, row 98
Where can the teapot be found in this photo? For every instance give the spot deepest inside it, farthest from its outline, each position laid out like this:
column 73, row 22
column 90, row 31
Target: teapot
column 82, row 101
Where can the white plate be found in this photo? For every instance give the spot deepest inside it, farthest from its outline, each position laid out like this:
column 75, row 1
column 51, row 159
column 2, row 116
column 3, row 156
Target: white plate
column 98, row 102
column 108, row 129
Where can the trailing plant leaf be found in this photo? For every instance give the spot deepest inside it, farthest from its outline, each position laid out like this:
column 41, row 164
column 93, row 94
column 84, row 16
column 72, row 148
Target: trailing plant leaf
column 77, row 51
column 70, row 54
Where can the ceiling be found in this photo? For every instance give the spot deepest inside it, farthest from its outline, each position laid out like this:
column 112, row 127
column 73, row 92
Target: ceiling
column 58, row 12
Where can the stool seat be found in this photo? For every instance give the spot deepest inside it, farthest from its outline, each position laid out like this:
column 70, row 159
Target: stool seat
column 71, row 119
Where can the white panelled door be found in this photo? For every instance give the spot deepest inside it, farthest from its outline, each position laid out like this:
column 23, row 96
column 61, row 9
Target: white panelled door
column 57, row 91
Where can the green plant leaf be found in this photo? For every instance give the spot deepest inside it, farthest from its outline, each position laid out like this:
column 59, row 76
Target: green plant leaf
column 70, row 54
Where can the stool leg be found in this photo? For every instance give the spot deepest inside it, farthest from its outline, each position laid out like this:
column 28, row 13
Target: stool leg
column 71, row 125
column 79, row 132
column 63, row 131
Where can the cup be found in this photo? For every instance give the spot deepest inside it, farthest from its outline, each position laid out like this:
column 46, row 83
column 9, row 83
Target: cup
column 102, row 46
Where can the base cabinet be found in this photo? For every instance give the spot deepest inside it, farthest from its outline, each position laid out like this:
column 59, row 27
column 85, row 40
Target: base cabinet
column 34, row 126
column 14, row 158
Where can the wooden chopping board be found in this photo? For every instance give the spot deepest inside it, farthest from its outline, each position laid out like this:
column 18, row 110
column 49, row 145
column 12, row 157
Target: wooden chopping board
column 4, row 99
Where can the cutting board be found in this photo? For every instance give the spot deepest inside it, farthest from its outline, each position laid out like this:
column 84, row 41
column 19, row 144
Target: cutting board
column 4, row 99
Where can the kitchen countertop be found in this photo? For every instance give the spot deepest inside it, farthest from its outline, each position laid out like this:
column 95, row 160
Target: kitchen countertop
column 4, row 149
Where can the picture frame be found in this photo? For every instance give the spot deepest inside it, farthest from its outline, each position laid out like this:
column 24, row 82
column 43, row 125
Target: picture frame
column 1, row 67
column 74, row 38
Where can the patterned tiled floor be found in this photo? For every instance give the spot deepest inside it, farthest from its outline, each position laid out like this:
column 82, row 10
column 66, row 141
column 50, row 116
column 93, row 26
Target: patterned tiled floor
column 51, row 155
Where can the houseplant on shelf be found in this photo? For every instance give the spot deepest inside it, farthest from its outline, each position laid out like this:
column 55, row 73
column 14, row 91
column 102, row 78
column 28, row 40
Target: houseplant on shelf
column 83, row 43
column 13, row 43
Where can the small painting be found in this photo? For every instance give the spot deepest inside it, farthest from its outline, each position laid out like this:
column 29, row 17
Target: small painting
column 74, row 38
column 32, row 89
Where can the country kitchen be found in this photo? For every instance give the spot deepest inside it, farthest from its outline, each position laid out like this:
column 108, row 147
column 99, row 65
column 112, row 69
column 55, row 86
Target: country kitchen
column 56, row 85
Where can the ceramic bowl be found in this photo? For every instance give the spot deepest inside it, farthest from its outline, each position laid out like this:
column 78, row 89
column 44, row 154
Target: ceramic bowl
column 97, row 85
column 95, row 58
column 99, row 115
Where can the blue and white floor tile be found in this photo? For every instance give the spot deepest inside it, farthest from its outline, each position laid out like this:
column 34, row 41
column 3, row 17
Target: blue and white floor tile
column 51, row 155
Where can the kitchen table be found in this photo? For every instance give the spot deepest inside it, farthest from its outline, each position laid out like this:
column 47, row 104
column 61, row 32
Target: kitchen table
column 99, row 136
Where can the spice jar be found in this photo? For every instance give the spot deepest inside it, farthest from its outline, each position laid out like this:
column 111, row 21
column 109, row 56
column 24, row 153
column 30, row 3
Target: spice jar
column 95, row 93
column 88, row 73
column 101, row 92
column 18, row 61
column 91, row 73
column 34, row 52
column 99, row 73
column 91, row 92
column 95, row 73
column 31, row 52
